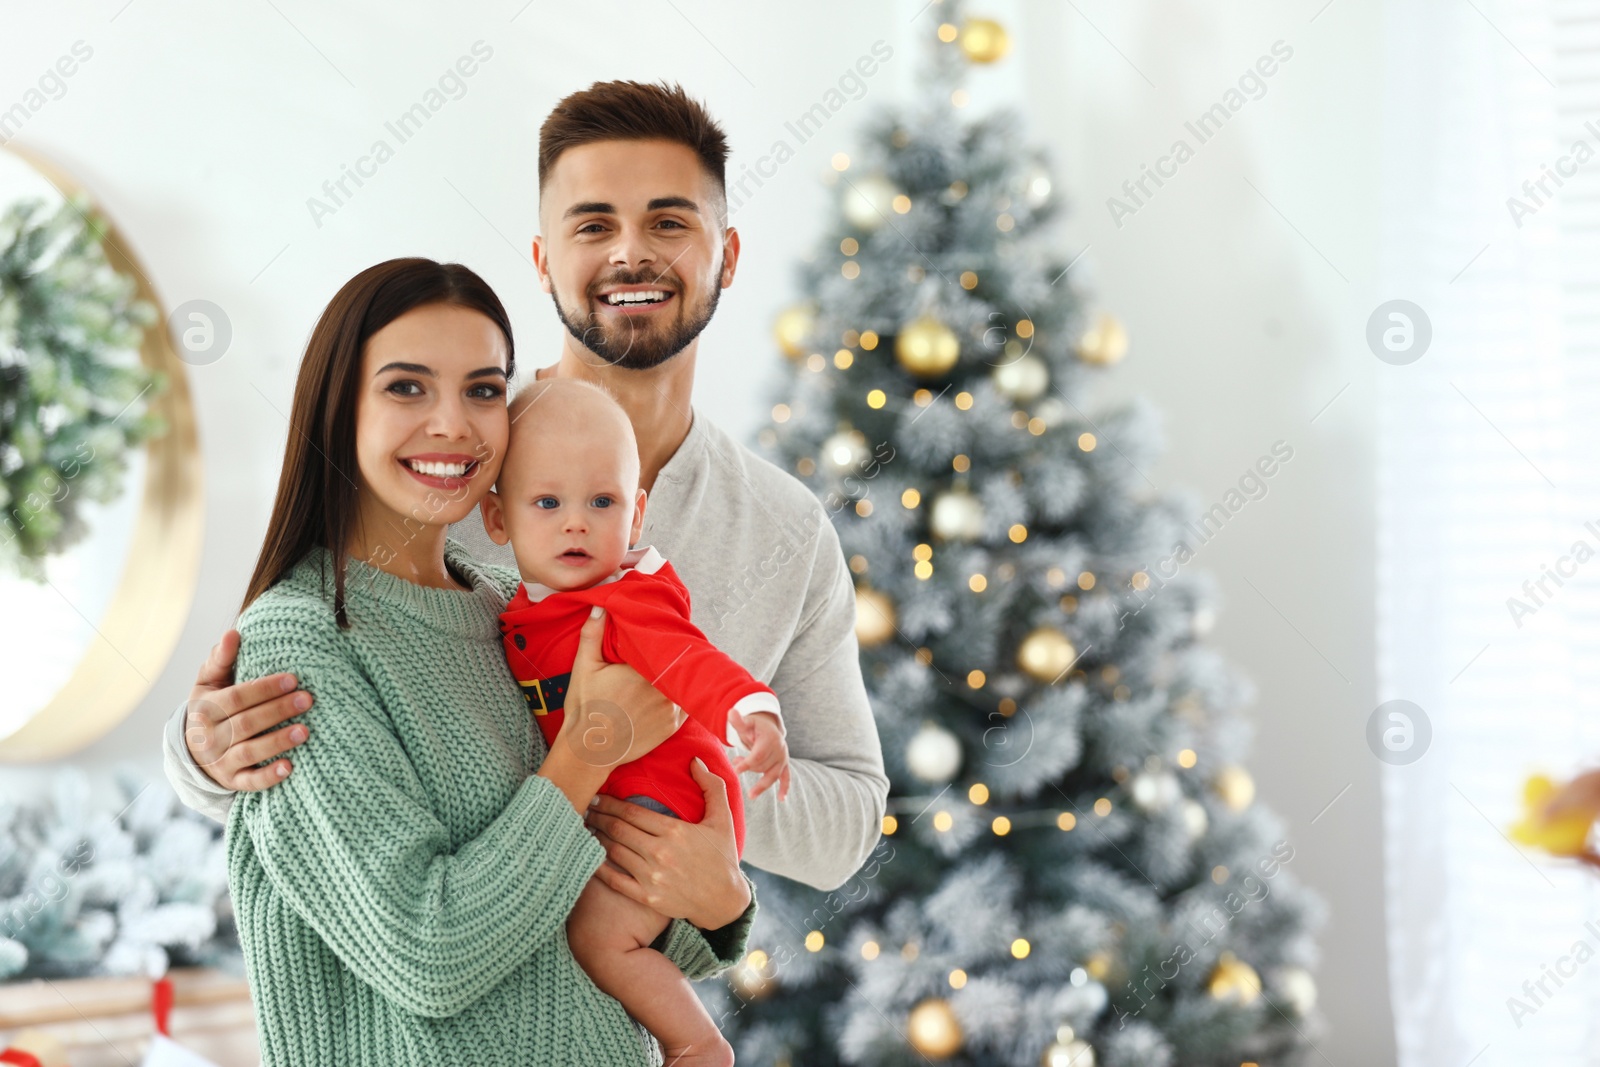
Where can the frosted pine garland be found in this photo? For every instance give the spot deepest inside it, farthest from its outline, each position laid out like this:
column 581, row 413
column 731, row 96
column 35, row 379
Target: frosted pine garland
column 124, row 888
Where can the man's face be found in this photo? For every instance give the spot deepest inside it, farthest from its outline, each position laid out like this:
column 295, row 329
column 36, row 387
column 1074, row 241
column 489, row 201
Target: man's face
column 632, row 249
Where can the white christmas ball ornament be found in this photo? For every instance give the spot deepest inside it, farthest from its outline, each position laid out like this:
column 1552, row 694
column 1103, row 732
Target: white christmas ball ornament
column 1052, row 411
column 869, row 201
column 1023, row 379
column 1083, row 998
column 1069, row 1053
column 957, row 516
column 1195, row 819
column 1156, row 791
column 1296, row 985
column 934, row 754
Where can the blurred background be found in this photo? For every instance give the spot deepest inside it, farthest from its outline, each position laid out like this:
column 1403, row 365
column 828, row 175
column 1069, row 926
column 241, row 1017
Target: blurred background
column 1429, row 478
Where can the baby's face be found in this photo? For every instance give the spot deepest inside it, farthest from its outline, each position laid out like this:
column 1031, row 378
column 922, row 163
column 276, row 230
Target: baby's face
column 568, row 497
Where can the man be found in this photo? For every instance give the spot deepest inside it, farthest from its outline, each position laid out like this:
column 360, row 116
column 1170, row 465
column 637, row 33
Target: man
column 634, row 249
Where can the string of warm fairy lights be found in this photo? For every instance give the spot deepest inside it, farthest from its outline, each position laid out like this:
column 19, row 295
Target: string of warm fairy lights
column 928, row 349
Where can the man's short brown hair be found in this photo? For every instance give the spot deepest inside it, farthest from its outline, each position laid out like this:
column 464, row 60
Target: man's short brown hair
column 634, row 111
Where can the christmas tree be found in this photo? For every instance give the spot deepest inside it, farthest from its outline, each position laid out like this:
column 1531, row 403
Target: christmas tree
column 1072, row 870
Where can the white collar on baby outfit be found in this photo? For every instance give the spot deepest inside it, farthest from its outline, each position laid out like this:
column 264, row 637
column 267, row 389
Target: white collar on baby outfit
column 645, row 560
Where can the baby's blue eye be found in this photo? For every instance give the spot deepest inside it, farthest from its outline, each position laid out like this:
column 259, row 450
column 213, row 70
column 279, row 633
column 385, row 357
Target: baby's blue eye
column 602, row 502
column 547, row 502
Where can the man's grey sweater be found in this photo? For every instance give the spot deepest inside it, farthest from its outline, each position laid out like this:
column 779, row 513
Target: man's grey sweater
column 770, row 588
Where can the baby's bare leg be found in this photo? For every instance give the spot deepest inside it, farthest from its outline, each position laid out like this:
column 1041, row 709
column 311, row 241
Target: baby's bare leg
column 610, row 936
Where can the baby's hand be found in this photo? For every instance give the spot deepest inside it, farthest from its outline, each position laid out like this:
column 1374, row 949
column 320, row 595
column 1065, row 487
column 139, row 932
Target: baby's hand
column 769, row 753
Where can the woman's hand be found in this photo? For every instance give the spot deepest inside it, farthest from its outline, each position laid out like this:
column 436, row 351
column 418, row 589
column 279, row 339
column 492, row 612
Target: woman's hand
column 683, row 870
column 612, row 715
column 229, row 728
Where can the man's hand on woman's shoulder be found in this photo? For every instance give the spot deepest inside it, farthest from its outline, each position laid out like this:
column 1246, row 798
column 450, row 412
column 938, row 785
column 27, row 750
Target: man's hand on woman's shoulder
column 229, row 728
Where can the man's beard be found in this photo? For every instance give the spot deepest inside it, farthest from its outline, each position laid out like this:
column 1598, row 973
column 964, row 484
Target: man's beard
column 634, row 346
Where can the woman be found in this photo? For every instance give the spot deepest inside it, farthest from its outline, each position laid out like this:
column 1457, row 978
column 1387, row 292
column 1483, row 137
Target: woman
column 401, row 898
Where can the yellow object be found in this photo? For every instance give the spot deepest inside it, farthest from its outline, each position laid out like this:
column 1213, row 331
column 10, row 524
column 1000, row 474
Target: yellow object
column 1563, row 835
column 1234, row 980
column 927, row 347
column 933, row 1029
column 985, row 41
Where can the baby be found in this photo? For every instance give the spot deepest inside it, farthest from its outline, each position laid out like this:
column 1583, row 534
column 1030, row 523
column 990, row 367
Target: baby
column 568, row 501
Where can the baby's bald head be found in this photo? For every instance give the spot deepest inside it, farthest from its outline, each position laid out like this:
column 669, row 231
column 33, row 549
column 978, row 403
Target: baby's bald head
column 568, row 499
column 557, row 417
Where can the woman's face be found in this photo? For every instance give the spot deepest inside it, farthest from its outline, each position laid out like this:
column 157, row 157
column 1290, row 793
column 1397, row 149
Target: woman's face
column 430, row 421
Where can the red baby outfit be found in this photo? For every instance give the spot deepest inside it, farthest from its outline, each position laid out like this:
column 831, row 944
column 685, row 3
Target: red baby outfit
column 648, row 628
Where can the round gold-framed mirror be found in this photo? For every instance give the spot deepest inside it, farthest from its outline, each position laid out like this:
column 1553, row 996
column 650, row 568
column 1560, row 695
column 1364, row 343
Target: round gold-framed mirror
column 92, row 634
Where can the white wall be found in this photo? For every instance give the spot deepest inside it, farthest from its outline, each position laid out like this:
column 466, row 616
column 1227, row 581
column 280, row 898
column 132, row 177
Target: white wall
column 1243, row 329
column 204, row 129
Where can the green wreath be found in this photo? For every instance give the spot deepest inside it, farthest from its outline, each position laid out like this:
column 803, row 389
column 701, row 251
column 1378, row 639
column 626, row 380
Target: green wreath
column 74, row 397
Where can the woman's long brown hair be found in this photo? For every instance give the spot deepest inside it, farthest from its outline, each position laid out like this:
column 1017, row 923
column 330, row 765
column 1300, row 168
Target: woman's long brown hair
column 318, row 490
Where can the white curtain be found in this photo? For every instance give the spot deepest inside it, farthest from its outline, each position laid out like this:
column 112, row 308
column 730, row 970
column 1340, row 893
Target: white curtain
column 1489, row 469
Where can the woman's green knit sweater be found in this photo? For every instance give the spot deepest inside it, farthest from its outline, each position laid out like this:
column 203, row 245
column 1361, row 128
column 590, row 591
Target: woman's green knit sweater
column 402, row 896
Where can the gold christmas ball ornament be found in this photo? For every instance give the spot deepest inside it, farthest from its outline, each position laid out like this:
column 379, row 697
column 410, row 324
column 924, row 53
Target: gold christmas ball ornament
column 845, row 450
column 927, row 347
column 1023, row 379
column 793, row 329
column 869, row 201
column 957, row 516
column 1103, row 343
column 874, row 617
column 1071, row 1052
column 984, row 41
column 1236, row 788
column 933, row 1029
column 1045, row 654
column 1234, row 981
column 934, row 754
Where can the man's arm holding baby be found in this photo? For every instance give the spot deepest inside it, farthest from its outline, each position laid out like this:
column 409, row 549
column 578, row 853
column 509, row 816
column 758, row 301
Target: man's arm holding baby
column 833, row 816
